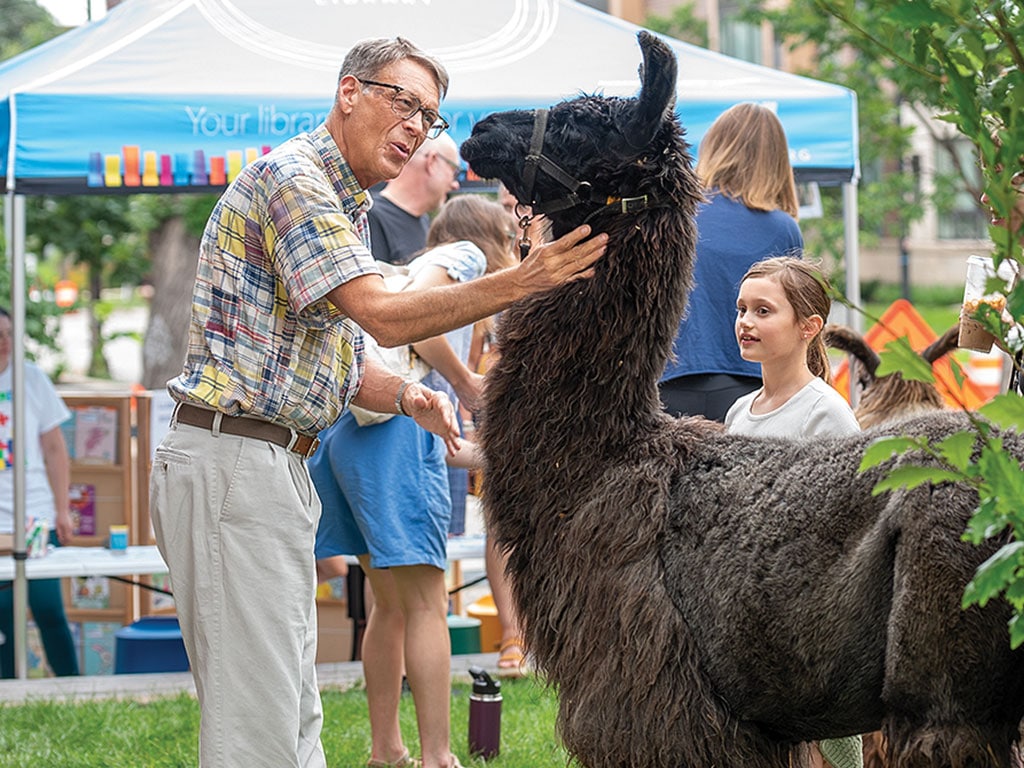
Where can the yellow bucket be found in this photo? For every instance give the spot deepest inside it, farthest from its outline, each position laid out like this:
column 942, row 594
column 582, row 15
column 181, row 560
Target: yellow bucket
column 490, row 627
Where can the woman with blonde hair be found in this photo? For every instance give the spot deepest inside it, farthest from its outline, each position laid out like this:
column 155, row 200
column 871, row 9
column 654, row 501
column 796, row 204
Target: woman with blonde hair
column 749, row 215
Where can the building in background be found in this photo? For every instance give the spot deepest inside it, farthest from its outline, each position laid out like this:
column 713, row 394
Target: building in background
column 935, row 248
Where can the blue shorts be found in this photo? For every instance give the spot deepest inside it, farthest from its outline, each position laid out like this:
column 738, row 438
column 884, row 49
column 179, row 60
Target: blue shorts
column 384, row 492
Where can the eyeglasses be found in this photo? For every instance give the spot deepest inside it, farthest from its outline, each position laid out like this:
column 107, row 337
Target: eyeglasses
column 451, row 164
column 406, row 106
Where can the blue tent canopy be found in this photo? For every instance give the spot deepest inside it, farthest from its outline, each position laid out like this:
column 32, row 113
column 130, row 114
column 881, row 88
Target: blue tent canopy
column 180, row 93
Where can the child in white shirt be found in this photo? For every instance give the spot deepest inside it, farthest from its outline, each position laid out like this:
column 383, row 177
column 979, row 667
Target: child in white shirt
column 781, row 309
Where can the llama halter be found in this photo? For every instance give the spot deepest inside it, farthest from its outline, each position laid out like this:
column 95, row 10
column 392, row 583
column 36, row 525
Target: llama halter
column 579, row 192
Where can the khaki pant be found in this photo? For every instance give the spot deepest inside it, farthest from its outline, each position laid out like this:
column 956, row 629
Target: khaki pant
column 235, row 519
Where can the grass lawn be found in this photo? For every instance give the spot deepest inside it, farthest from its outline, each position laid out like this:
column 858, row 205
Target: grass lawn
column 163, row 733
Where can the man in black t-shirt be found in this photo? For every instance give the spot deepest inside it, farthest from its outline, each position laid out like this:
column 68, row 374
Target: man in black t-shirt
column 399, row 218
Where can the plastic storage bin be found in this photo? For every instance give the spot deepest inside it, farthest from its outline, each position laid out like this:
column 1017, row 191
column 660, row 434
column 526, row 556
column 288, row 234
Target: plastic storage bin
column 464, row 633
column 490, row 626
column 151, row 644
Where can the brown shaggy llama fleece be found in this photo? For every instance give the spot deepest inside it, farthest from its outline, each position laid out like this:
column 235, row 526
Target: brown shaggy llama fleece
column 701, row 599
column 883, row 398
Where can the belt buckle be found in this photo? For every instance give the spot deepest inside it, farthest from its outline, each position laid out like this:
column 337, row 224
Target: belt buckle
column 313, row 445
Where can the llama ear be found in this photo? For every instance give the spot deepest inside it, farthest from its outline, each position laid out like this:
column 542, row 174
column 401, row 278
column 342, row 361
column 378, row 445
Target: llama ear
column 848, row 340
column 657, row 91
column 945, row 344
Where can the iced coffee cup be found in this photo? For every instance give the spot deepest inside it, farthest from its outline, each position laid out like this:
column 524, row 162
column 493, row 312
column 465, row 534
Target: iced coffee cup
column 973, row 335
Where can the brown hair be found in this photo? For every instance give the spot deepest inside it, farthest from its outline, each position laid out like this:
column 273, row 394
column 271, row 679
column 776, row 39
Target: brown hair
column 482, row 221
column 368, row 57
column 807, row 291
column 745, row 156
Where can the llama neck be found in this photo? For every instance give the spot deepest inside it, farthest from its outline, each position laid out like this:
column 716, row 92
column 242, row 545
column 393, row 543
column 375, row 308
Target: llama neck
column 579, row 365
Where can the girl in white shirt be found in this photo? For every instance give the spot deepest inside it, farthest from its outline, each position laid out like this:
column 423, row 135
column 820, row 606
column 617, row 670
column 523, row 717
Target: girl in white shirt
column 780, row 311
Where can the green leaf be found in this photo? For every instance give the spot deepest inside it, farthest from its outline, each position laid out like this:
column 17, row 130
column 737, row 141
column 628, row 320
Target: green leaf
column 958, row 372
column 899, row 357
column 985, row 523
column 911, row 477
column 914, row 15
column 1015, row 593
column 1016, row 631
column 1004, row 479
column 884, row 448
column 1005, row 410
column 994, row 574
column 957, row 448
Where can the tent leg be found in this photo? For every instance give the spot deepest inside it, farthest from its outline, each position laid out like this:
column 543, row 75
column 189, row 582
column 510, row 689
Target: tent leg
column 850, row 239
column 14, row 220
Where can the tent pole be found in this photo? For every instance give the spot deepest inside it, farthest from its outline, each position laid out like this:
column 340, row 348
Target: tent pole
column 14, row 219
column 850, row 240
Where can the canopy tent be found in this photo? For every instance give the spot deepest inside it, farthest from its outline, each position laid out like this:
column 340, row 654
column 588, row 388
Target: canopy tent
column 167, row 79
column 176, row 95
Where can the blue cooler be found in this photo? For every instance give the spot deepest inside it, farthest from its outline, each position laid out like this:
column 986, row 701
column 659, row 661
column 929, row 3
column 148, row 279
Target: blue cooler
column 151, row 644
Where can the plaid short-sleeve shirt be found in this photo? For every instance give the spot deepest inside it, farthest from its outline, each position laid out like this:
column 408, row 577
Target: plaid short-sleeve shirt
column 264, row 341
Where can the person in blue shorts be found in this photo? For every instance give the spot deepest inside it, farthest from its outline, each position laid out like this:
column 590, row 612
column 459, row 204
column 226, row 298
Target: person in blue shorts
column 385, row 496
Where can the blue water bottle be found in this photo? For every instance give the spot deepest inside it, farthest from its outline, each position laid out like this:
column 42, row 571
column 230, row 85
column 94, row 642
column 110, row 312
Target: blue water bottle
column 484, row 714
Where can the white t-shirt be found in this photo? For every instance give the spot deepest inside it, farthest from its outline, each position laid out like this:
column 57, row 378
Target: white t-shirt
column 816, row 410
column 44, row 410
column 463, row 261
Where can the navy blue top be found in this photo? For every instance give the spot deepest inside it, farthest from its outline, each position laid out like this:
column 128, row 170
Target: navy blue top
column 730, row 238
column 395, row 234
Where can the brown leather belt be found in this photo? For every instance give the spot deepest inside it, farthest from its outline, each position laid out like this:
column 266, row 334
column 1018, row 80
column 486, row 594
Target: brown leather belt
column 245, row 426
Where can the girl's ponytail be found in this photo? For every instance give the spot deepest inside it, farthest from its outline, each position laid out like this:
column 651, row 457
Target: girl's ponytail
column 817, row 358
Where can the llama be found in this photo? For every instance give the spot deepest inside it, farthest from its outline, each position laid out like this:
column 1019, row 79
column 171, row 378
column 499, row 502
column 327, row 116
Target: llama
column 890, row 397
column 702, row 599
column 884, row 399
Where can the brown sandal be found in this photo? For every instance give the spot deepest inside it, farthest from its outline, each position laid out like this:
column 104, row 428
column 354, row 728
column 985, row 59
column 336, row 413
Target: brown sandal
column 405, row 761
column 511, row 659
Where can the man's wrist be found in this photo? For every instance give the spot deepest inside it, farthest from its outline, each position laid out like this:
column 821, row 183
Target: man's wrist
column 400, row 394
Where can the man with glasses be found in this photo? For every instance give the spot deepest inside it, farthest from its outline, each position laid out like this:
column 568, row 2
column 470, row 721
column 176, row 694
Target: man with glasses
column 284, row 289
column 400, row 216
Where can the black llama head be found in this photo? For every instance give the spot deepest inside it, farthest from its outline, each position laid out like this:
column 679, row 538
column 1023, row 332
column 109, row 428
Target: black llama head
column 594, row 148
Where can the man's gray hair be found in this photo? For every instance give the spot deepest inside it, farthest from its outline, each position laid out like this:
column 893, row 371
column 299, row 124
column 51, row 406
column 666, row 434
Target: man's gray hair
column 368, row 57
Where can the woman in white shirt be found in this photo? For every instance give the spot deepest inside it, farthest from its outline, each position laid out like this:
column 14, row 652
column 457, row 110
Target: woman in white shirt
column 47, row 475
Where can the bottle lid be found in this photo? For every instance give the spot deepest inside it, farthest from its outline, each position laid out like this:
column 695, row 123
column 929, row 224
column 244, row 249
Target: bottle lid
column 483, row 683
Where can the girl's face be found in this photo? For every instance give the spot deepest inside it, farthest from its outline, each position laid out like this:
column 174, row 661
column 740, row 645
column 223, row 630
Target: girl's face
column 767, row 328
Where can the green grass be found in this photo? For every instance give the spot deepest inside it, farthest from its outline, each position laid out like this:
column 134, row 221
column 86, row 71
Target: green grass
column 163, row 733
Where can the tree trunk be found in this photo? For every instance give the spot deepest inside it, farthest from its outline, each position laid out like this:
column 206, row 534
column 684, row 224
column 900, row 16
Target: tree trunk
column 98, row 368
column 175, row 255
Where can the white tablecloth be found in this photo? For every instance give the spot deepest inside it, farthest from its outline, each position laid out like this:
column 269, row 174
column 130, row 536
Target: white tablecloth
column 87, row 561
column 100, row 561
